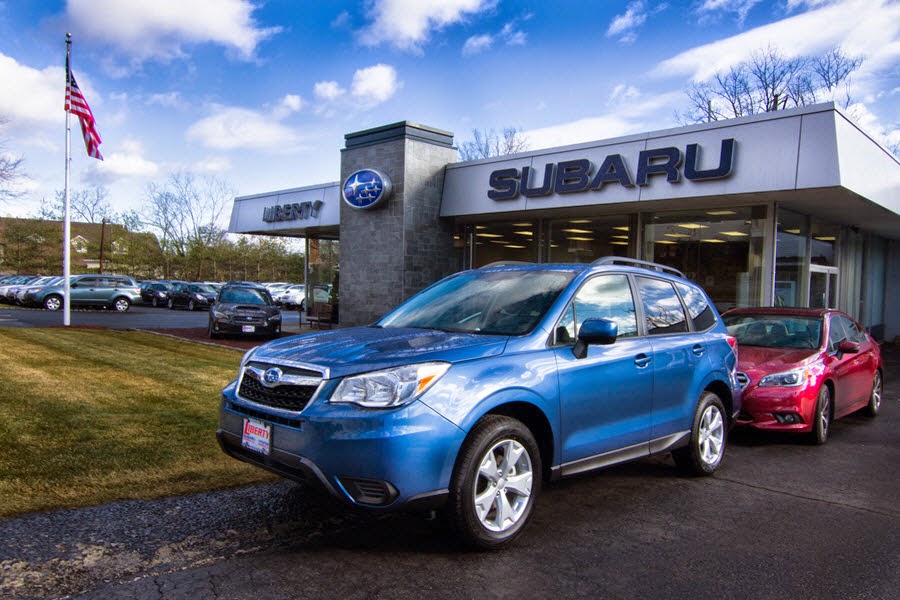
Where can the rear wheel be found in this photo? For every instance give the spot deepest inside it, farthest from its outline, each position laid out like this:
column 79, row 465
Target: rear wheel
column 704, row 452
column 822, row 417
column 155, row 302
column 875, row 396
column 495, row 483
column 53, row 302
column 191, row 306
column 171, row 304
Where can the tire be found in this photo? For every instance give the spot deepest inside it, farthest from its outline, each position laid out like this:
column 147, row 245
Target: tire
column 191, row 306
column 822, row 417
column 171, row 304
column 480, row 493
column 53, row 302
column 709, row 434
column 875, row 395
column 121, row 304
column 155, row 302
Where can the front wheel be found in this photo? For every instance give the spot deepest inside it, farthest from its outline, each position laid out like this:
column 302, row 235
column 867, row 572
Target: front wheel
column 121, row 304
column 495, row 483
column 191, row 306
column 822, row 418
column 704, row 452
column 53, row 302
column 155, row 302
column 875, row 395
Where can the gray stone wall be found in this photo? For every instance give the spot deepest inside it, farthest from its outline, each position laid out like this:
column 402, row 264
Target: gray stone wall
column 392, row 252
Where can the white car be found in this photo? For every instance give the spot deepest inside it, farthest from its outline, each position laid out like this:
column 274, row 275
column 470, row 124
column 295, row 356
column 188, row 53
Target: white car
column 291, row 296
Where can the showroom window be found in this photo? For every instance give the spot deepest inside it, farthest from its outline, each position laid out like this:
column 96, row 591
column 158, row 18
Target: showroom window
column 585, row 239
column 721, row 249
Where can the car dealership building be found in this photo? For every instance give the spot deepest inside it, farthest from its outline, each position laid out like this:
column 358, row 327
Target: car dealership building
column 790, row 208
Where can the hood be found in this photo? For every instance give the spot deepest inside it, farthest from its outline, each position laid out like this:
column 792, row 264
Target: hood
column 361, row 349
column 772, row 360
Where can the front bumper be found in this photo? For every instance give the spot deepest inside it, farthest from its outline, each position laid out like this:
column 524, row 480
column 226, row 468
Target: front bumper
column 778, row 409
column 375, row 458
column 262, row 328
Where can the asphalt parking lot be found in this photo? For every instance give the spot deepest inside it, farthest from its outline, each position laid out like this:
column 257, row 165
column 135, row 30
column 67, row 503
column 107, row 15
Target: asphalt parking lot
column 781, row 519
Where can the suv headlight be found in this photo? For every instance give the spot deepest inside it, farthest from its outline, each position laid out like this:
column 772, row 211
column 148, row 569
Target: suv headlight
column 389, row 388
column 791, row 378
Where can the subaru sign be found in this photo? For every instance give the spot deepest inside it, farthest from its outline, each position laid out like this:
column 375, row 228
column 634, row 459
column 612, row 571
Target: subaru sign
column 366, row 188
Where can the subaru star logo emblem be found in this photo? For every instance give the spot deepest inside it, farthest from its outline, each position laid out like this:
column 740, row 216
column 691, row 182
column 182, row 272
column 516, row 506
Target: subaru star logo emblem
column 272, row 375
column 366, row 188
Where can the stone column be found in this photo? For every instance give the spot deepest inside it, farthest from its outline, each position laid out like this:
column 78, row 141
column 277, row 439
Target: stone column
column 391, row 252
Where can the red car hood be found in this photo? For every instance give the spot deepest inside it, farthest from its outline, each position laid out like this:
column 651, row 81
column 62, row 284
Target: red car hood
column 771, row 360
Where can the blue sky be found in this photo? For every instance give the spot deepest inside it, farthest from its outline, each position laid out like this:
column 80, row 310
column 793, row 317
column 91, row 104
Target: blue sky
column 260, row 93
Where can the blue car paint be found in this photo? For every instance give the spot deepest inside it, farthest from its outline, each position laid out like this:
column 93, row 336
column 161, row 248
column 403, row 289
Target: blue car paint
column 619, row 402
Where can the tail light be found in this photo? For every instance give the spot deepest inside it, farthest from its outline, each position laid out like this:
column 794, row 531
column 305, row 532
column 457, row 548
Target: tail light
column 732, row 341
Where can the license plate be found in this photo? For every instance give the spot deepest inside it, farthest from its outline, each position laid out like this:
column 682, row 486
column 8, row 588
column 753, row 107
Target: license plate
column 257, row 436
column 248, row 328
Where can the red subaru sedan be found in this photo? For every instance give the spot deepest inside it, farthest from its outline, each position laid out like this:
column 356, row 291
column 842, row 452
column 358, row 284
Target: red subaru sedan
column 802, row 368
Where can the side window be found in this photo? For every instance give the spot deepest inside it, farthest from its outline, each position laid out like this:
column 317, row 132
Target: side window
column 699, row 309
column 662, row 308
column 854, row 333
column 605, row 297
column 87, row 282
column 836, row 333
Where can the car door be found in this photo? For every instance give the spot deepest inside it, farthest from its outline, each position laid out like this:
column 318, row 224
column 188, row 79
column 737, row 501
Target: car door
column 853, row 371
column 605, row 396
column 83, row 291
column 679, row 357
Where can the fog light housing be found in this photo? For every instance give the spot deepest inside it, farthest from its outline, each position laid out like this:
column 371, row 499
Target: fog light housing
column 372, row 492
column 788, row 418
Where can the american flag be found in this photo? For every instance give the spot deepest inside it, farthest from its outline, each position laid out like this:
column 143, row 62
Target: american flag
column 78, row 106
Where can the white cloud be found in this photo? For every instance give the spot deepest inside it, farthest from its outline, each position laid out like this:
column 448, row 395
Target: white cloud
column 477, row 44
column 328, row 90
column 625, row 26
column 288, row 105
column 408, row 24
column 168, row 100
column 128, row 161
column 717, row 7
column 37, row 97
column 232, row 128
column 213, row 164
column 870, row 28
column 622, row 94
column 144, row 29
column 374, row 85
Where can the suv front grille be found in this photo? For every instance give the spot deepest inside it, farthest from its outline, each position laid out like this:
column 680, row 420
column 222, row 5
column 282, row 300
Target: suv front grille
column 292, row 393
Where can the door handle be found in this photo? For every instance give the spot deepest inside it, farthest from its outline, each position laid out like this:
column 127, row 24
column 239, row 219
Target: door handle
column 642, row 360
column 698, row 350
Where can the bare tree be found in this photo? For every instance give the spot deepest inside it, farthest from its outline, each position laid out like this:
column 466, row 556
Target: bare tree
column 10, row 170
column 489, row 143
column 186, row 212
column 89, row 205
column 769, row 81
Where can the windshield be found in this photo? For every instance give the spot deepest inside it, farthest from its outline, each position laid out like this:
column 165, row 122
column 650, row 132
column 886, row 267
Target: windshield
column 202, row 289
column 492, row 302
column 244, row 296
column 775, row 331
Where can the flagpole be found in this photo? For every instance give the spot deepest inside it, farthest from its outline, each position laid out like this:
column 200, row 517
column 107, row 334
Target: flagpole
column 67, row 232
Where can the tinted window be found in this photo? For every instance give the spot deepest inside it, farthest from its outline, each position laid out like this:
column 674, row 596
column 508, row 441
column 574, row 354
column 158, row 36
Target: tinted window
column 662, row 308
column 244, row 296
column 854, row 332
column 603, row 297
column 700, row 311
column 775, row 331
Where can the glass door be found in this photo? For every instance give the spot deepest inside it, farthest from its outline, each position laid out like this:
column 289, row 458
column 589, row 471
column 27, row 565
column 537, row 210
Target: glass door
column 823, row 286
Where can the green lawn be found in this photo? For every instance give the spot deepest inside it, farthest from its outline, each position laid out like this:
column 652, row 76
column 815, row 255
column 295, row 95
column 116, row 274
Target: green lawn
column 88, row 416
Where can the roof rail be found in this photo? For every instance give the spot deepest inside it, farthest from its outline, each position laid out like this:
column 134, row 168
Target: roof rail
column 613, row 260
column 506, row 263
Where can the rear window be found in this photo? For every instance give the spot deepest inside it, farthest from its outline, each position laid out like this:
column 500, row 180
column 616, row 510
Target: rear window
column 702, row 315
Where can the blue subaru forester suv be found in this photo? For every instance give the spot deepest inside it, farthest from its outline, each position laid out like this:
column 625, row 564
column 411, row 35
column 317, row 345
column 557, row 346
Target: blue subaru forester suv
column 479, row 388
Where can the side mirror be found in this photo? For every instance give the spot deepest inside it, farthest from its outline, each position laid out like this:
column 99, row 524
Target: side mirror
column 848, row 347
column 73, row 285
column 601, row 332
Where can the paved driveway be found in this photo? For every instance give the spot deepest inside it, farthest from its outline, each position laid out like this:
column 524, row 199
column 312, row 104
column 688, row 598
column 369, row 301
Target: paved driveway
column 781, row 519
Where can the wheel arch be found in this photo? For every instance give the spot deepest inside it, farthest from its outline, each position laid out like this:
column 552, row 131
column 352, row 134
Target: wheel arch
column 721, row 389
column 537, row 422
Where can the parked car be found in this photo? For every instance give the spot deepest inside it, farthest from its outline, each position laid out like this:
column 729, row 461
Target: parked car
column 13, row 282
column 244, row 310
column 191, row 295
column 155, row 293
column 321, row 294
column 109, row 291
column 291, row 297
column 33, row 286
column 477, row 389
column 803, row 368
